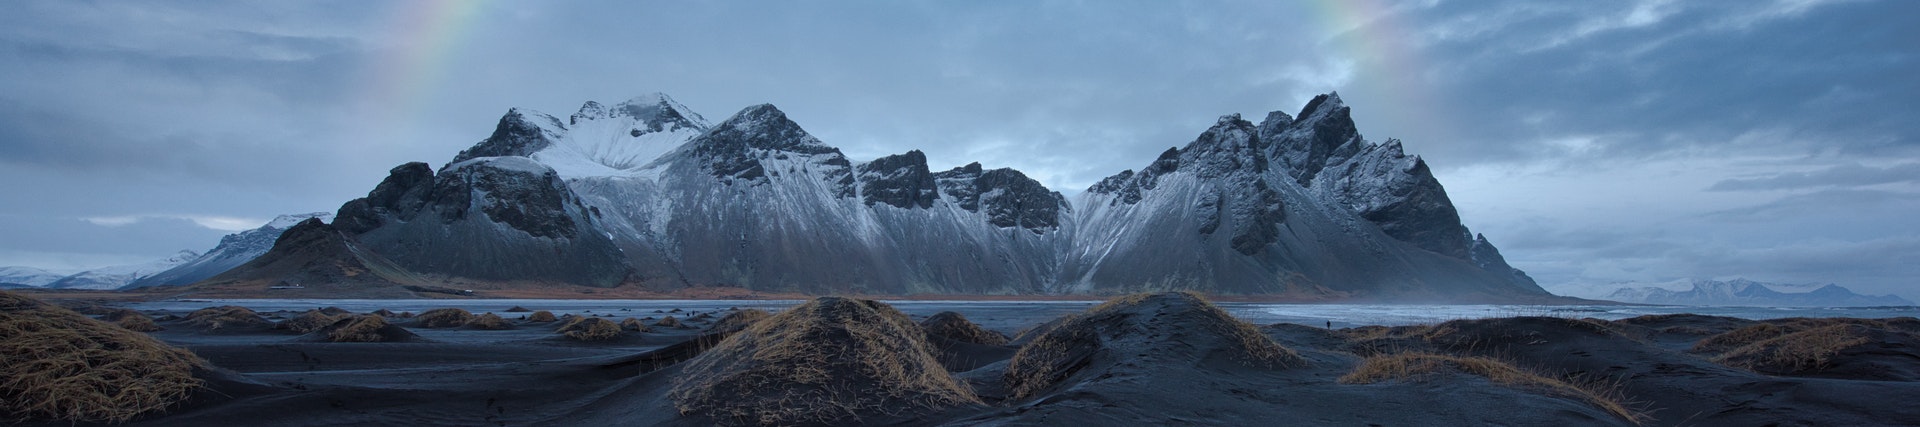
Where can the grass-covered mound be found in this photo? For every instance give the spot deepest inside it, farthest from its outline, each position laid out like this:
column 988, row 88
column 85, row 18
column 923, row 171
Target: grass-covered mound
column 310, row 321
column 635, row 325
column 519, row 309
column 1151, row 329
column 1848, row 348
column 1420, row 366
column 542, row 316
column 830, row 361
column 132, row 320
column 954, row 326
column 668, row 322
column 58, row 365
column 362, row 328
column 385, row 313
column 489, row 321
column 227, row 317
column 738, row 321
column 585, row 328
column 443, row 318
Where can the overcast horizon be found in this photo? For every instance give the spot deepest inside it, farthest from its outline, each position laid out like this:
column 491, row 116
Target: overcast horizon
column 1593, row 142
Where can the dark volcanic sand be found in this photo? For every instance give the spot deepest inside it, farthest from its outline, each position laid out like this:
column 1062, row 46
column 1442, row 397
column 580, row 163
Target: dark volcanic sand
column 528, row 375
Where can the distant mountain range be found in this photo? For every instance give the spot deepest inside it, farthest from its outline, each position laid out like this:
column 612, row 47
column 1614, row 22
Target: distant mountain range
column 182, row 268
column 1742, row 292
column 649, row 193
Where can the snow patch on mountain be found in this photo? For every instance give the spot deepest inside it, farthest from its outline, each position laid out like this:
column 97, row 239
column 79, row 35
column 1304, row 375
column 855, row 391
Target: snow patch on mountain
column 120, row 276
column 234, row 250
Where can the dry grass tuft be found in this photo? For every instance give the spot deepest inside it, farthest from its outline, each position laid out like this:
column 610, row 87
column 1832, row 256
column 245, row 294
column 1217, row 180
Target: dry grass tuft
column 739, row 320
column 443, row 318
column 227, row 316
column 58, row 365
column 489, row 321
column 830, row 361
column 1756, row 333
column 519, row 309
column 1809, row 350
column 1418, row 366
column 1058, row 352
column 310, row 321
column 363, row 328
column 668, row 322
column 132, row 320
column 542, row 316
column 335, row 311
column 954, row 326
column 385, row 313
column 589, row 329
column 635, row 325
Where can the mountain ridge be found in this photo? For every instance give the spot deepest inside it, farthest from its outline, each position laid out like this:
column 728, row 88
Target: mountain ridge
column 1296, row 207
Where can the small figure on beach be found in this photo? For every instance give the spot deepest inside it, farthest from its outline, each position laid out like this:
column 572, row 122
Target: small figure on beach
column 1329, row 325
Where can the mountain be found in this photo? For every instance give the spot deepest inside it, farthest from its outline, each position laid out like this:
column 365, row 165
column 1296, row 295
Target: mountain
column 1290, row 206
column 323, row 262
column 233, row 250
column 1742, row 292
column 648, row 193
column 120, row 276
column 27, row 277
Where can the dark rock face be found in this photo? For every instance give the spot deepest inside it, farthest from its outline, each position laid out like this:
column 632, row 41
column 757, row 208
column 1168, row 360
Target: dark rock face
column 900, row 180
column 517, row 134
column 1488, row 258
column 1323, row 134
column 401, row 195
column 1399, row 193
column 736, row 150
column 1009, row 197
column 525, row 201
column 485, row 218
column 1129, row 184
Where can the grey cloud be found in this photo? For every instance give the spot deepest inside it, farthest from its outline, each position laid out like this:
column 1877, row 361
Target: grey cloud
column 1852, row 175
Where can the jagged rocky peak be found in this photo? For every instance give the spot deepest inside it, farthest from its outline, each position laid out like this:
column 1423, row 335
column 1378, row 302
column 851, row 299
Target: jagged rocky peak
column 1130, row 186
column 1488, row 258
column 519, row 133
column 400, row 195
column 515, row 191
column 739, row 148
column 1323, row 134
column 1008, row 198
column 656, row 110
column 900, row 180
column 1230, row 146
column 1399, row 193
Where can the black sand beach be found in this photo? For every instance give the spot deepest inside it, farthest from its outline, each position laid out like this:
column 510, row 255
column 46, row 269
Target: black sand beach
column 1159, row 359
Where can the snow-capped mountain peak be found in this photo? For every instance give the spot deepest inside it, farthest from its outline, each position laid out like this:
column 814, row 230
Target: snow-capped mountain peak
column 284, row 222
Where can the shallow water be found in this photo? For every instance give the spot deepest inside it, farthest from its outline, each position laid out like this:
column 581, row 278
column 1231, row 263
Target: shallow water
column 1017, row 314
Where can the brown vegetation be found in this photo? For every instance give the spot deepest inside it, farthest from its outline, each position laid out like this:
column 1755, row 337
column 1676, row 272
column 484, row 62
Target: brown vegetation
column 635, row 325
column 954, row 326
column 1057, row 352
column 1418, row 366
column 363, row 328
column 385, row 313
column 132, row 320
column 215, row 318
column 519, row 309
column 589, row 329
column 739, row 320
column 58, row 365
column 1808, row 350
column 541, row 316
column 829, row 361
column 489, row 321
column 443, row 318
column 310, row 321
column 668, row 322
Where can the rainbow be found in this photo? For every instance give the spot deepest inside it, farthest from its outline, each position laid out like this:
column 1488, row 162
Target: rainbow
column 405, row 77
column 1371, row 35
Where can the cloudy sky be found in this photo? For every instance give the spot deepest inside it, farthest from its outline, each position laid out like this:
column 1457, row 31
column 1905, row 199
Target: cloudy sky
column 1595, row 142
